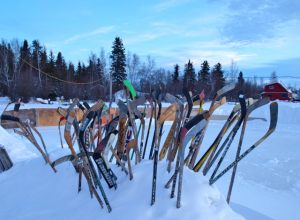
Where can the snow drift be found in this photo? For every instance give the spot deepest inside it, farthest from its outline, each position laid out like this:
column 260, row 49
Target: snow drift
column 15, row 147
column 40, row 194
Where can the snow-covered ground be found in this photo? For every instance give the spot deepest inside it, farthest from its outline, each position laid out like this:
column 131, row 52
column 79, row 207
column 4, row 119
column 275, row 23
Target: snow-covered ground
column 267, row 184
column 30, row 190
column 268, row 180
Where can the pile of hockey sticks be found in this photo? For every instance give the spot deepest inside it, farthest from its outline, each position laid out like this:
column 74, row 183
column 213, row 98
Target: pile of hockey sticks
column 95, row 140
column 187, row 130
column 95, row 145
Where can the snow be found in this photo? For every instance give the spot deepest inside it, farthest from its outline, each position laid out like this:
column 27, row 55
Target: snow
column 40, row 194
column 37, row 104
column 15, row 147
column 267, row 184
column 268, row 180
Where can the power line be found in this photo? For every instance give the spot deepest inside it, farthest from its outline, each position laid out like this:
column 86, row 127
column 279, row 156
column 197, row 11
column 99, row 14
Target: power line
column 264, row 77
column 58, row 79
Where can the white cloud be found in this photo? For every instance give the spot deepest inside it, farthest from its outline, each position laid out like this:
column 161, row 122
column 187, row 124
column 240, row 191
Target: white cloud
column 257, row 20
column 100, row 30
column 214, row 52
column 142, row 37
column 167, row 4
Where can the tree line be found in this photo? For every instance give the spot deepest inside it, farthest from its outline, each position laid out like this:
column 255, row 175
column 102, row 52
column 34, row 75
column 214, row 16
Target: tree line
column 29, row 71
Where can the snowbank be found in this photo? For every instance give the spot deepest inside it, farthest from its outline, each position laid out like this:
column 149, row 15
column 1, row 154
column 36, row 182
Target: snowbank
column 288, row 112
column 41, row 194
column 4, row 100
column 199, row 200
column 14, row 147
column 54, row 196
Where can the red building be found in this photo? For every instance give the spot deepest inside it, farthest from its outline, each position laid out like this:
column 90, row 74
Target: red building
column 277, row 91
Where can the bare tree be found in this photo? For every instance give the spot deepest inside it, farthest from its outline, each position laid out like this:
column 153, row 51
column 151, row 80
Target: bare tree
column 103, row 58
column 233, row 71
column 132, row 65
column 128, row 65
column 273, row 78
column 7, row 68
column 4, row 73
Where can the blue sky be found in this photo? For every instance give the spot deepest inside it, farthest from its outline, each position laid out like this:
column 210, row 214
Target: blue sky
column 259, row 35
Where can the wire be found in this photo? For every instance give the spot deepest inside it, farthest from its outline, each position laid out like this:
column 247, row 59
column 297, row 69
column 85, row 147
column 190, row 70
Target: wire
column 58, row 79
column 264, row 77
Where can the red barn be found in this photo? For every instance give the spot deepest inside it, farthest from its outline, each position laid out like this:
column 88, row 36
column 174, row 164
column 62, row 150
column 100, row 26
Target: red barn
column 277, row 91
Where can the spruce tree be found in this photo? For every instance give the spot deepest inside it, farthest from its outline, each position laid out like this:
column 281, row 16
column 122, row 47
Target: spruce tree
column 189, row 77
column 118, row 64
column 218, row 79
column 43, row 59
column 36, row 58
column 78, row 72
column 51, row 63
column 71, row 72
column 241, row 79
column 59, row 64
column 60, row 72
column 241, row 85
column 7, row 67
column 11, row 68
column 25, row 56
column 175, row 75
column 203, row 74
column 24, row 82
column 50, row 68
column 36, row 53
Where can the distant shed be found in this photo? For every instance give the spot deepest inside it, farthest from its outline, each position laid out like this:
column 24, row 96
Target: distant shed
column 276, row 91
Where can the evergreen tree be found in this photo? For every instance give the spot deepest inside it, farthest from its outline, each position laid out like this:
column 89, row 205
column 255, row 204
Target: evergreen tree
column 36, row 58
column 83, row 69
column 79, row 69
column 70, row 91
column 118, row 63
column 60, row 72
column 59, row 64
column 36, row 46
column 36, row 53
column 241, row 79
column 51, row 63
column 241, row 86
column 189, row 77
column 11, row 65
column 218, row 79
column 7, row 68
column 175, row 75
column 203, row 74
column 43, row 59
column 24, row 80
column 92, row 68
column 25, row 56
column 49, row 82
column 71, row 72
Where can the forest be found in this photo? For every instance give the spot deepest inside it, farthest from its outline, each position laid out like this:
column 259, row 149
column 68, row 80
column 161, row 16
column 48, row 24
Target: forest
column 29, row 70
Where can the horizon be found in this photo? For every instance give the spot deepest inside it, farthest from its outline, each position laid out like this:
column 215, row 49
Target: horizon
column 259, row 36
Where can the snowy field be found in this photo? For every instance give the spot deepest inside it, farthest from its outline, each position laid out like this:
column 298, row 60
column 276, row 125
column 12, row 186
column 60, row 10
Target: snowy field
column 267, row 184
